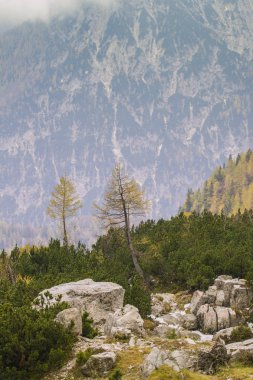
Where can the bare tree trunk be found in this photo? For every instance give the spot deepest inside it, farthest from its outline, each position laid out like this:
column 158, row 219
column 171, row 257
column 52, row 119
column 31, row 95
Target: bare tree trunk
column 134, row 255
column 129, row 240
column 65, row 236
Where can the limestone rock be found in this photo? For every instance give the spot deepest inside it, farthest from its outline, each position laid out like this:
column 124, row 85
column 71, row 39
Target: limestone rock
column 198, row 299
column 224, row 334
column 161, row 330
column 189, row 322
column 126, row 318
column 240, row 350
column 69, row 316
column 214, row 318
column 162, row 303
column 226, row 292
column 99, row 365
column 177, row 360
column 99, row 299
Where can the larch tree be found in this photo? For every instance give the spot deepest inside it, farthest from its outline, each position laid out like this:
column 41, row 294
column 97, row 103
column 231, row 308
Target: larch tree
column 64, row 204
column 123, row 199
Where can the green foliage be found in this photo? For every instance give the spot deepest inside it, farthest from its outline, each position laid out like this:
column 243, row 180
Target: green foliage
column 116, row 375
column 171, row 334
column 32, row 343
column 241, row 333
column 228, row 189
column 88, row 330
column 83, row 356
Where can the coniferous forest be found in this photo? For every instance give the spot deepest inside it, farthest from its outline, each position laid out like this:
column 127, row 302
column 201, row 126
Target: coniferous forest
column 228, row 189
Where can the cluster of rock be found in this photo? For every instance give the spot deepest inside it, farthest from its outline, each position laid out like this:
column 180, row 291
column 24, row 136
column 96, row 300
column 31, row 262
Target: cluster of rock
column 216, row 311
column 223, row 305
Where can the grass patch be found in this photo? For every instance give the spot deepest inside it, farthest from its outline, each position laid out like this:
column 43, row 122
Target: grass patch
column 129, row 362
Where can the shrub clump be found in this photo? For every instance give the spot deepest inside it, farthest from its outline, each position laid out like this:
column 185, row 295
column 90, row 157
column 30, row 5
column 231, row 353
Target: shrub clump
column 241, row 333
column 88, row 330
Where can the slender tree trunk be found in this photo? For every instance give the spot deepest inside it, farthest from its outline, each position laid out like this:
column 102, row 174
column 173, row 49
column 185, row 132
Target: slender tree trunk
column 65, row 236
column 129, row 240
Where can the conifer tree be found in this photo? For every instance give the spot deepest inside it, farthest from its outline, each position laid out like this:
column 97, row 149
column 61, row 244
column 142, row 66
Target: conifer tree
column 64, row 204
column 123, row 199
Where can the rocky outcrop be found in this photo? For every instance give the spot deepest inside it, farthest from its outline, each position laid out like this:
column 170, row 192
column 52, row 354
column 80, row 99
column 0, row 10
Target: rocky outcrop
column 227, row 292
column 214, row 318
column 99, row 299
column 205, row 359
column 99, row 365
column 124, row 319
column 222, row 305
column 240, row 351
column 71, row 317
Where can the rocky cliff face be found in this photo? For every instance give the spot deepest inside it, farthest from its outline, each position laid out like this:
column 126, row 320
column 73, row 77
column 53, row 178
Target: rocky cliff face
column 164, row 86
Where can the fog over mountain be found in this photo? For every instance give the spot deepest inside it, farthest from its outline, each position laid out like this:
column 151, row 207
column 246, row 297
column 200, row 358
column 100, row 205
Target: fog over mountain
column 165, row 86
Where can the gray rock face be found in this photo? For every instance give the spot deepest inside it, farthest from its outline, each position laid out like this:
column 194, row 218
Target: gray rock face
column 214, row 318
column 99, row 365
column 227, row 292
column 198, row 299
column 216, row 308
column 189, row 322
column 99, row 299
column 69, row 316
column 125, row 318
column 240, row 350
column 204, row 359
column 224, row 334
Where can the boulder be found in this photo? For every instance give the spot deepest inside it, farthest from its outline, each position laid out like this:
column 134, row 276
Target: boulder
column 206, row 359
column 69, row 317
column 189, row 322
column 226, row 292
column 162, row 303
column 126, row 318
column 173, row 319
column 241, row 297
column 162, row 330
column 224, row 335
column 211, row 294
column 214, row 318
column 198, row 299
column 177, row 360
column 240, row 351
column 99, row 365
column 99, row 299
column 153, row 360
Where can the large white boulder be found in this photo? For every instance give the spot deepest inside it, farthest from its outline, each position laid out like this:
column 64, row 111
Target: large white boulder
column 99, row 299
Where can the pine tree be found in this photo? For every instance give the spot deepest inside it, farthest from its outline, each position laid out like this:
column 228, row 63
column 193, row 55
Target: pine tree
column 64, row 204
column 123, row 199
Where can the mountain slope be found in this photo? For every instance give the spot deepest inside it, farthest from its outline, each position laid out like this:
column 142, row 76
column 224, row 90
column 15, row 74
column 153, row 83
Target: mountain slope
column 228, row 189
column 164, row 86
